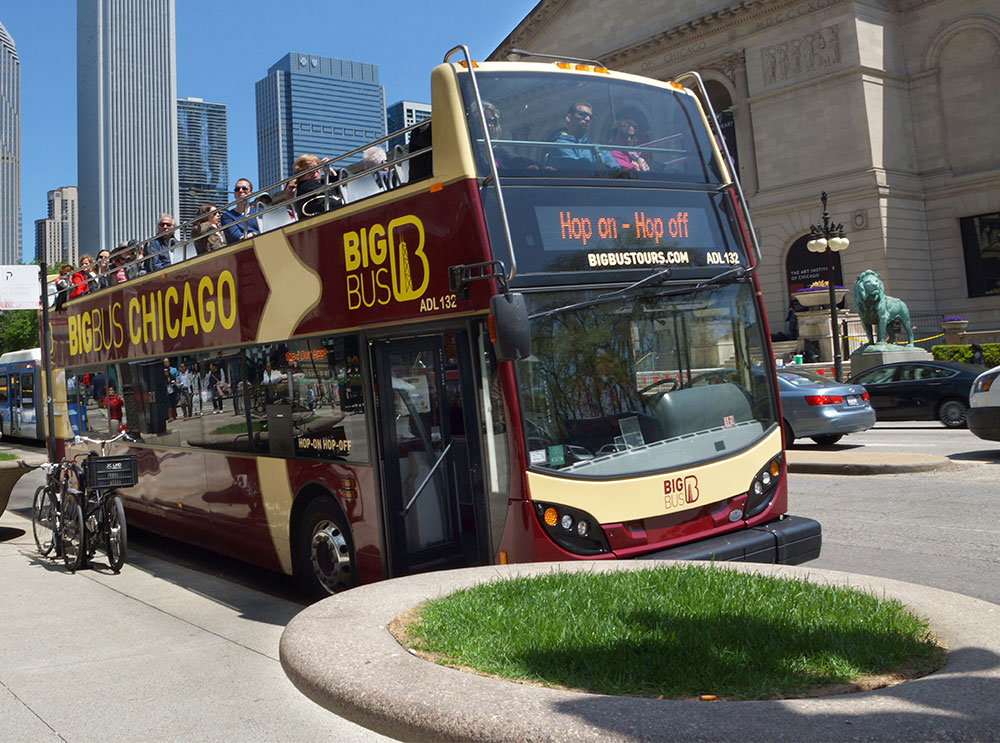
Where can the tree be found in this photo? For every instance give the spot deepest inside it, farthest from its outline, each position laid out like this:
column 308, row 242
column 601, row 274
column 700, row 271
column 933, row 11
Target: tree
column 18, row 330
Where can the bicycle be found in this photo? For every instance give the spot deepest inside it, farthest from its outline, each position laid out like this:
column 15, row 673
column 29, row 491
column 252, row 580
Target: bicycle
column 46, row 506
column 93, row 512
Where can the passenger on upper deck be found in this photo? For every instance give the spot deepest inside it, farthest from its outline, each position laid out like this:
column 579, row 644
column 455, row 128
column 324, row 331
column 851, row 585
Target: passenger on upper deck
column 81, row 278
column 104, row 278
column 204, row 239
column 623, row 133
column 159, row 246
column 309, row 182
column 236, row 230
column 372, row 158
column 507, row 162
column 578, row 120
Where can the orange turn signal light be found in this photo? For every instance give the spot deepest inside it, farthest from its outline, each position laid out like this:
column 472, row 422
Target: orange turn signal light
column 551, row 517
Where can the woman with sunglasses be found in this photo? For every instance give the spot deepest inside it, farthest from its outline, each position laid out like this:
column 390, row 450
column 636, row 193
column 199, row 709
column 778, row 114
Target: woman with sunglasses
column 623, row 133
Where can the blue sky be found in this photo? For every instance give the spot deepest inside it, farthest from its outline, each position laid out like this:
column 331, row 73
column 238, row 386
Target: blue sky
column 223, row 48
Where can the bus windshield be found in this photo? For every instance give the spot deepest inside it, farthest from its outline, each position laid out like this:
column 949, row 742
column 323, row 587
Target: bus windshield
column 644, row 384
column 589, row 126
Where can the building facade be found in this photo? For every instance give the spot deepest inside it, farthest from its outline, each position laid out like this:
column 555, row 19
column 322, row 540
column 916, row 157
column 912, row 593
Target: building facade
column 202, row 156
column 402, row 114
column 126, row 119
column 10, row 150
column 316, row 105
column 57, row 236
column 888, row 105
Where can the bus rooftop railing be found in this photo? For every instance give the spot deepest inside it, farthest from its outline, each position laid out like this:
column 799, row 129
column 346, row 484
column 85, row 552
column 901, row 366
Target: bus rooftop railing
column 397, row 161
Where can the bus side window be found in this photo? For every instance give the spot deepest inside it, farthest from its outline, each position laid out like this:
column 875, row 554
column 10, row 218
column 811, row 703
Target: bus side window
column 3, row 388
column 310, row 400
column 27, row 388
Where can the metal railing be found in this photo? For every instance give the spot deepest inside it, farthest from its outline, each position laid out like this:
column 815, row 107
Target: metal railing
column 330, row 191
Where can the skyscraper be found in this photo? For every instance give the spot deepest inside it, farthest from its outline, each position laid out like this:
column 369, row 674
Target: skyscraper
column 57, row 237
column 10, row 150
column 126, row 94
column 316, row 105
column 202, row 154
column 402, row 114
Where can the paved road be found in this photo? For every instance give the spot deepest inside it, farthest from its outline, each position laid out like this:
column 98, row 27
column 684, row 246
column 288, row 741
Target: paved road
column 160, row 652
column 938, row 528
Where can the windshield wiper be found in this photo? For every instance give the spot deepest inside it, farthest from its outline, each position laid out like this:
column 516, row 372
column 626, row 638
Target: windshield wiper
column 653, row 279
column 739, row 271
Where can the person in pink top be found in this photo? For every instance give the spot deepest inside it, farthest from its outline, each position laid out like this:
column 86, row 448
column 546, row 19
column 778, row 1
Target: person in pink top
column 623, row 133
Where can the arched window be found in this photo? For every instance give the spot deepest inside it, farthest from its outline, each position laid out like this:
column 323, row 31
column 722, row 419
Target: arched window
column 802, row 267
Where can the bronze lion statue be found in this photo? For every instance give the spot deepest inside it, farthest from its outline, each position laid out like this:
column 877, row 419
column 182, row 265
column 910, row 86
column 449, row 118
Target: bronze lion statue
column 876, row 309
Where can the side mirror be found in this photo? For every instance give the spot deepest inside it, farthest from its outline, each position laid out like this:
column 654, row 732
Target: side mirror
column 509, row 327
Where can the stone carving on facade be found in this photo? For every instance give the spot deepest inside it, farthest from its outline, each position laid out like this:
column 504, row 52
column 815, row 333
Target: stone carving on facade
column 729, row 64
column 811, row 52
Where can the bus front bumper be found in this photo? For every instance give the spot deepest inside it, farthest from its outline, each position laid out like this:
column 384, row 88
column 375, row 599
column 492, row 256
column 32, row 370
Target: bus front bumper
column 790, row 540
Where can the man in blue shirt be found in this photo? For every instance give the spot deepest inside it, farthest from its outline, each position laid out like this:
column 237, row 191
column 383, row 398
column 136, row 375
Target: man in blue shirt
column 578, row 120
column 234, row 229
column 159, row 246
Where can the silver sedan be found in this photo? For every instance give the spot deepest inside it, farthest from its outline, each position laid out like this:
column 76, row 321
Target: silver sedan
column 819, row 408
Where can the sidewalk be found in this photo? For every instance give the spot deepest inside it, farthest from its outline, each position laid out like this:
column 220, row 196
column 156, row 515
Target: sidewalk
column 156, row 653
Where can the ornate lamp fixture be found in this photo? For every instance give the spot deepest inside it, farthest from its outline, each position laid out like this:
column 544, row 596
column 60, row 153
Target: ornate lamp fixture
column 830, row 238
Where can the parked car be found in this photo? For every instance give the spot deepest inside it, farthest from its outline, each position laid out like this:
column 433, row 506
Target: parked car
column 920, row 390
column 983, row 415
column 820, row 408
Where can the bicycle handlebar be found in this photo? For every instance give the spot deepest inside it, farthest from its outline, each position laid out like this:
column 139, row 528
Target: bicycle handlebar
column 102, row 442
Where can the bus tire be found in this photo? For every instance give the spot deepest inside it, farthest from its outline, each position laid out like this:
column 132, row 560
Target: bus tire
column 324, row 561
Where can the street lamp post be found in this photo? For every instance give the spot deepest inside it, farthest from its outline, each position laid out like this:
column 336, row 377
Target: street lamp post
column 826, row 239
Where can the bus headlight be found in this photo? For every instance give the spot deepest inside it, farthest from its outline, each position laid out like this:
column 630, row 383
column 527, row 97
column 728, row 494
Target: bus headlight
column 572, row 529
column 763, row 487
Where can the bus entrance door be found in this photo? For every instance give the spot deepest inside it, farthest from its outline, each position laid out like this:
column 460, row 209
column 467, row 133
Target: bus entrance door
column 432, row 468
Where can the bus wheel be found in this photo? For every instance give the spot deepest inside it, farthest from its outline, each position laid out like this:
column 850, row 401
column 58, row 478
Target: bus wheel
column 325, row 559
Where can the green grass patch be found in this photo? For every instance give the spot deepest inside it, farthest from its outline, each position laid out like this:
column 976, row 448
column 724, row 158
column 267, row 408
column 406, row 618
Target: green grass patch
column 677, row 632
column 6, row 457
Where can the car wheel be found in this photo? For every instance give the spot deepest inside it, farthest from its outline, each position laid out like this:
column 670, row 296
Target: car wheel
column 829, row 439
column 952, row 413
column 789, row 436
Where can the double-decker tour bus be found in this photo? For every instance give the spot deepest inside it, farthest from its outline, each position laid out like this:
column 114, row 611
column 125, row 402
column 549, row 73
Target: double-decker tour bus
column 534, row 333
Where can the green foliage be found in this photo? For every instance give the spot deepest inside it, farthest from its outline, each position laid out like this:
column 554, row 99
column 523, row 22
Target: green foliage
column 677, row 631
column 7, row 457
column 18, row 330
column 963, row 352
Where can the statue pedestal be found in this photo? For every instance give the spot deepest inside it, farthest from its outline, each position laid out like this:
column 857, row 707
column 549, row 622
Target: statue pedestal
column 814, row 325
column 871, row 356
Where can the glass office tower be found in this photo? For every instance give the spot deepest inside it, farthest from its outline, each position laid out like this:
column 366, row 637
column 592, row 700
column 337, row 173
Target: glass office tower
column 202, row 154
column 10, row 150
column 316, row 105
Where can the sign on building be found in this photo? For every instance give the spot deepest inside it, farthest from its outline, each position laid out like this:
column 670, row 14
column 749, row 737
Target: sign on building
column 19, row 288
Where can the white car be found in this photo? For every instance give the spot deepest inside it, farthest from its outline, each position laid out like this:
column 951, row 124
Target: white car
column 983, row 415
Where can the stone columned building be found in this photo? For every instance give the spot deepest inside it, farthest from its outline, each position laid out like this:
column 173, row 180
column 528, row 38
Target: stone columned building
column 890, row 106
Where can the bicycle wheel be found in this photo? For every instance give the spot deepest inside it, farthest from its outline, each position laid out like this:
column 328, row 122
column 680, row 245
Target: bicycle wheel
column 72, row 534
column 45, row 519
column 115, row 531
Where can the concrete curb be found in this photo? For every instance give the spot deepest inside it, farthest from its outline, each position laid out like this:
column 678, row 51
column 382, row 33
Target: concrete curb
column 339, row 653
column 835, row 463
column 10, row 472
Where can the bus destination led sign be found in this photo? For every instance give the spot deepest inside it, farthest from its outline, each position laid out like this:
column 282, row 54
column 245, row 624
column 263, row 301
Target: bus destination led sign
column 633, row 236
